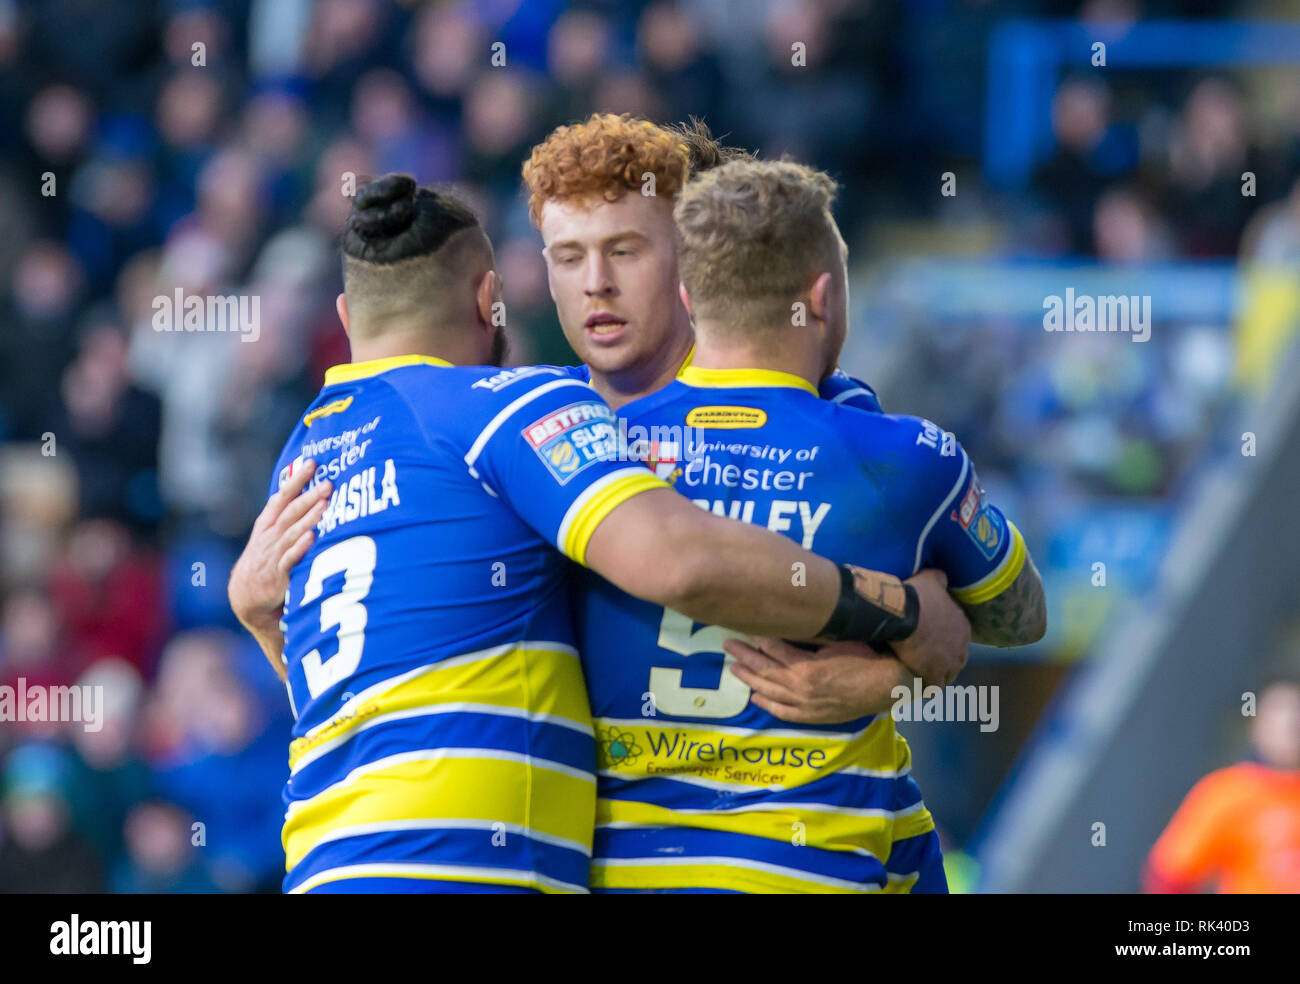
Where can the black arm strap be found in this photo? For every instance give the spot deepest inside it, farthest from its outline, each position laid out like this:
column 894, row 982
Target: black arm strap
column 872, row 608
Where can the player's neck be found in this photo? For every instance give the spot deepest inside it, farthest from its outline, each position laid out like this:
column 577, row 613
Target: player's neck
column 619, row 388
column 798, row 356
column 460, row 349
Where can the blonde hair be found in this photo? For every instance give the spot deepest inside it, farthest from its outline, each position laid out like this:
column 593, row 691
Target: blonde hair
column 606, row 156
column 752, row 236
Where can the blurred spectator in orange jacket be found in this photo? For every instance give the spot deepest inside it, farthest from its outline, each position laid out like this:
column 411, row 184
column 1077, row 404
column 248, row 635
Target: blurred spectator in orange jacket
column 1238, row 830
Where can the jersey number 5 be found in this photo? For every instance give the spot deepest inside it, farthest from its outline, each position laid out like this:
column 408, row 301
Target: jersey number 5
column 355, row 558
column 725, row 700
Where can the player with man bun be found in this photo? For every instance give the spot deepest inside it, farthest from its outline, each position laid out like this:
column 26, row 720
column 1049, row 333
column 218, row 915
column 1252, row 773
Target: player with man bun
column 443, row 740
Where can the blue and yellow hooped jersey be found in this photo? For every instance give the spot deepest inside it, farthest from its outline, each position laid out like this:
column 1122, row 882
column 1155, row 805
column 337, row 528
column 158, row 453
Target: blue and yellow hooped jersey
column 443, row 729
column 697, row 786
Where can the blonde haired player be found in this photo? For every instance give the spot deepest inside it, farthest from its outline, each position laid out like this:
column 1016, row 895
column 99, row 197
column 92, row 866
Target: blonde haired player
column 442, row 739
column 701, row 788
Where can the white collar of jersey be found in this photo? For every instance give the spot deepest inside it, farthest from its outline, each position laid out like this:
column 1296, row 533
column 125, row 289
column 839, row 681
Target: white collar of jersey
column 350, row 371
column 742, row 378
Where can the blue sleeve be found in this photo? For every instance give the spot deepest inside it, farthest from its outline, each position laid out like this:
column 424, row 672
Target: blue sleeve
column 966, row 536
column 550, row 451
column 840, row 387
column 581, row 372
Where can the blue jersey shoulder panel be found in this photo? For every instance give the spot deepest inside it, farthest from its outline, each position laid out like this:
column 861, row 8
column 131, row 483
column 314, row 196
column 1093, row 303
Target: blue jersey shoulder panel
column 840, row 387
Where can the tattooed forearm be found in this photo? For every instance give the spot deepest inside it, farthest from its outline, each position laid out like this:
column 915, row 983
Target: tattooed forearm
column 1016, row 617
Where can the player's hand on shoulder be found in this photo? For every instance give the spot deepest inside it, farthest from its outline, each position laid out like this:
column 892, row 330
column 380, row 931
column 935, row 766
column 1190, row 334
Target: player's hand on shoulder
column 282, row 535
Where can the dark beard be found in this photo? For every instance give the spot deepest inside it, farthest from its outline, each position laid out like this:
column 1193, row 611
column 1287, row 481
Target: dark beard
column 500, row 348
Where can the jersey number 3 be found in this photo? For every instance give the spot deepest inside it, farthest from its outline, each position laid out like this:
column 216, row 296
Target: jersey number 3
column 355, row 559
column 725, row 700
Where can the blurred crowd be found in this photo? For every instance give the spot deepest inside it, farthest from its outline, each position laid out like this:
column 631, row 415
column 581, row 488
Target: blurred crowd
column 207, row 146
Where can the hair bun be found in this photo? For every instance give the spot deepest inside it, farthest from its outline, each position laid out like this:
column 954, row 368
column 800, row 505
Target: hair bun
column 385, row 207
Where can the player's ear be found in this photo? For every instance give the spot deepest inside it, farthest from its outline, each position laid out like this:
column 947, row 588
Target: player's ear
column 341, row 306
column 486, row 294
column 686, row 299
column 819, row 297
